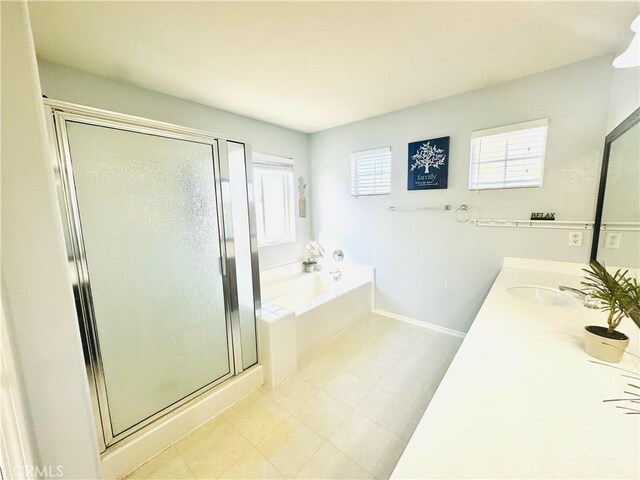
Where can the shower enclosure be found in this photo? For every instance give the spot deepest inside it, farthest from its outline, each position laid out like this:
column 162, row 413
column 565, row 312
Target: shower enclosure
column 160, row 235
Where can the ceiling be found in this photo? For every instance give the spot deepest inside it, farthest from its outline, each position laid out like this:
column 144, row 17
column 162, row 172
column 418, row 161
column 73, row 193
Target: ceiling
column 315, row 65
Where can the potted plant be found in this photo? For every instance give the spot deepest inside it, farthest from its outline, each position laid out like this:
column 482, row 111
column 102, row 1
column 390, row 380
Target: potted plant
column 619, row 295
column 314, row 251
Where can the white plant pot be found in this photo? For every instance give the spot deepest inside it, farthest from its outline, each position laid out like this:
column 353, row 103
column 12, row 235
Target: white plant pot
column 309, row 268
column 608, row 347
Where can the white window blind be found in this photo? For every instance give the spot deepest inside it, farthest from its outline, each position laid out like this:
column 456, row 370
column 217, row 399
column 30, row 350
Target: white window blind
column 274, row 201
column 508, row 157
column 371, row 172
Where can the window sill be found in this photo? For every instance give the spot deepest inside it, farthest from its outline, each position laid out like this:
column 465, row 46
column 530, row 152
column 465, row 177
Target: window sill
column 515, row 187
column 273, row 244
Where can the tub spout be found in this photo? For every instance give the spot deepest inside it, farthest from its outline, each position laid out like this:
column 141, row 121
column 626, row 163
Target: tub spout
column 337, row 274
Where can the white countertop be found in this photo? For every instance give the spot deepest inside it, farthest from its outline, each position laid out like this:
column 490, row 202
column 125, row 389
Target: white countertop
column 522, row 400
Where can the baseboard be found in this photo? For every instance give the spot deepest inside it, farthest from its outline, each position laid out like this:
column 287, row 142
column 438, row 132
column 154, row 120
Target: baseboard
column 430, row 326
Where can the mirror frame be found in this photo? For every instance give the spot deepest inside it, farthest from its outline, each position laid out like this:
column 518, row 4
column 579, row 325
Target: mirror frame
column 617, row 132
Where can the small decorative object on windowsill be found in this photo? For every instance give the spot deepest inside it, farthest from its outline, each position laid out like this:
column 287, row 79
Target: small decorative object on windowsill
column 619, row 295
column 302, row 199
column 313, row 251
column 543, row 216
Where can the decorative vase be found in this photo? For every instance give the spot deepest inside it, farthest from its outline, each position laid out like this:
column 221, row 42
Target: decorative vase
column 309, row 267
column 605, row 346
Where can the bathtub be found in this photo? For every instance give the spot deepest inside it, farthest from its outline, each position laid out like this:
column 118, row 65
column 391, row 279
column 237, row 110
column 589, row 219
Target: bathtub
column 323, row 307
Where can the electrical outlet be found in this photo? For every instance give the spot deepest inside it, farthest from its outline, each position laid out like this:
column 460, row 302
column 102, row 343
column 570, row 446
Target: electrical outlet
column 575, row 239
column 612, row 240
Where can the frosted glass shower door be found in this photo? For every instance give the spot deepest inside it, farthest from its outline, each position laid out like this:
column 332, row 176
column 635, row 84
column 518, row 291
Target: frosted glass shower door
column 149, row 216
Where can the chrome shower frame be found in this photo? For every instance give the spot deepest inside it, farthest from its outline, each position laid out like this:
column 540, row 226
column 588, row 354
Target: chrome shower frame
column 57, row 113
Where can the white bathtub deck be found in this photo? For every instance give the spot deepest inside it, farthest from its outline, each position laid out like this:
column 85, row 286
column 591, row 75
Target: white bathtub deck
column 306, row 291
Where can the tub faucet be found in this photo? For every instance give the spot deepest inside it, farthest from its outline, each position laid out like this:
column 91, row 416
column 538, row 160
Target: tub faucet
column 337, row 274
column 586, row 298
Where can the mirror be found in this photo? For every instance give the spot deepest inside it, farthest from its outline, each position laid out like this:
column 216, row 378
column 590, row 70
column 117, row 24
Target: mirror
column 616, row 239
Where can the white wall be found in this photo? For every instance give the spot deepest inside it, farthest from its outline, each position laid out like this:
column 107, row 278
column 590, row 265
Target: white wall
column 36, row 284
column 16, row 434
column 64, row 83
column 625, row 95
column 427, row 266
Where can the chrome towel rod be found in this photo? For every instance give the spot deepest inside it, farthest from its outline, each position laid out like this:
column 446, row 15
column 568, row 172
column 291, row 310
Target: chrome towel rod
column 556, row 224
column 524, row 223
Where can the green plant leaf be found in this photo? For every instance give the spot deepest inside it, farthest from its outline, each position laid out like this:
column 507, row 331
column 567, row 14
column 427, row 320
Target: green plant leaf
column 619, row 294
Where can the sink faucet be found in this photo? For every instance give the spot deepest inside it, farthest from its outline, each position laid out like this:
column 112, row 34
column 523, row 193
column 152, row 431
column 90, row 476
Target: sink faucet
column 337, row 274
column 584, row 296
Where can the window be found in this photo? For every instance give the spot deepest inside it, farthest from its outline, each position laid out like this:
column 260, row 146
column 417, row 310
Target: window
column 371, row 172
column 273, row 184
column 508, row 157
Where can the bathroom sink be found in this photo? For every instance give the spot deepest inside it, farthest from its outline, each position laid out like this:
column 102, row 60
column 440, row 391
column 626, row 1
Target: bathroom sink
column 541, row 295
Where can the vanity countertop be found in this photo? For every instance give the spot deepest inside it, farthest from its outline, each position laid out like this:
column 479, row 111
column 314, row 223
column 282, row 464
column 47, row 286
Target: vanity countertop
column 522, row 399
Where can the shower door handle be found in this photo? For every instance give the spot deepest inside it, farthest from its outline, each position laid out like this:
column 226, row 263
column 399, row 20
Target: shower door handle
column 223, row 266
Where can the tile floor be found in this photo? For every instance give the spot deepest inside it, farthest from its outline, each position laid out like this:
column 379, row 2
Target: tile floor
column 347, row 413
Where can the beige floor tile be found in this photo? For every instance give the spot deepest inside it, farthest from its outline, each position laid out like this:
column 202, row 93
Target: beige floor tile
column 199, row 433
column 369, row 328
column 440, row 372
column 375, row 381
column 366, row 368
column 383, row 353
column 348, row 388
column 290, row 446
column 259, row 419
column 433, row 349
column 448, row 358
column 335, row 353
column 175, row 469
column 408, row 329
column 154, row 464
column 401, row 384
column 397, row 339
column 318, row 372
column 264, row 388
column 330, row 463
column 385, row 409
column 252, row 466
column 361, row 440
column 426, row 395
column 323, row 413
column 217, row 452
column 304, row 360
column 455, row 343
column 419, row 366
column 292, row 394
column 385, row 466
column 409, row 423
column 245, row 402
column 426, row 347
column 384, row 320
column 354, row 341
